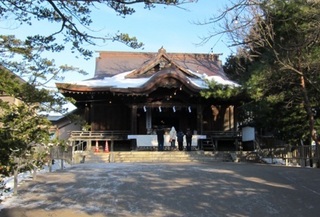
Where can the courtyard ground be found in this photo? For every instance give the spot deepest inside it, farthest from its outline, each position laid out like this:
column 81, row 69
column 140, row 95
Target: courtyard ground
column 163, row 190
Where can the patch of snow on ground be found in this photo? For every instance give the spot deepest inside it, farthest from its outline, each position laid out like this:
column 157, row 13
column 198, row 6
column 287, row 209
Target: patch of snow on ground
column 279, row 161
column 6, row 199
column 8, row 182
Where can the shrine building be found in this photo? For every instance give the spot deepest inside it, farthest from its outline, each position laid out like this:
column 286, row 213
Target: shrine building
column 133, row 93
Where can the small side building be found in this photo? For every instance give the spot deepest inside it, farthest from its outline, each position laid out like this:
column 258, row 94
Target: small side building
column 62, row 126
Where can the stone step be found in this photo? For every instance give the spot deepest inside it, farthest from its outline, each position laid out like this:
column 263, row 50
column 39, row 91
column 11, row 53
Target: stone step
column 155, row 156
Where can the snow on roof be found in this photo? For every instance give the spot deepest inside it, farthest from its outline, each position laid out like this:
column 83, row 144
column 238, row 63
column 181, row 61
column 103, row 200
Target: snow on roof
column 54, row 117
column 223, row 81
column 120, row 81
column 202, row 79
column 116, row 81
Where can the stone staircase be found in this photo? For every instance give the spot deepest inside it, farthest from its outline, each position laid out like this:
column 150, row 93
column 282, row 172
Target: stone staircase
column 155, row 156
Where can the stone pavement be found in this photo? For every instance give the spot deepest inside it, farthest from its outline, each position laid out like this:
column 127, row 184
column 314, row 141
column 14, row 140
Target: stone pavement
column 163, row 190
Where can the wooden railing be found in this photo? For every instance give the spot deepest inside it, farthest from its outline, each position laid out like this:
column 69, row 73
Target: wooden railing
column 99, row 134
column 119, row 134
column 224, row 134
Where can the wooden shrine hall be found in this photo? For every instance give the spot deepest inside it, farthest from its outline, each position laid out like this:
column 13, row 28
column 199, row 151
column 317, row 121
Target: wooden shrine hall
column 132, row 93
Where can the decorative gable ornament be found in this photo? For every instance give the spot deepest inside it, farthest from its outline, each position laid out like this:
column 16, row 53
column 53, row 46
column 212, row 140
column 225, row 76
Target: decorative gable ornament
column 159, row 63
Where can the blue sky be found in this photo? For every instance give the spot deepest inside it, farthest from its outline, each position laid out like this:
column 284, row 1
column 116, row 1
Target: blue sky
column 167, row 26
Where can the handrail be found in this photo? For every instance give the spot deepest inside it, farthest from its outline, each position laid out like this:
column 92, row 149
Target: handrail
column 99, row 134
column 121, row 133
column 223, row 133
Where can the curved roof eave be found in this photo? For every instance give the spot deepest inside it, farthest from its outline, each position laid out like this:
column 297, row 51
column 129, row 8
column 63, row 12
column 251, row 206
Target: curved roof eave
column 154, row 81
column 119, row 83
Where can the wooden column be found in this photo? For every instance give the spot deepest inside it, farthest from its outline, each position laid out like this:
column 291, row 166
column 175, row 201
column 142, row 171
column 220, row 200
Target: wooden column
column 134, row 119
column 87, row 113
column 235, row 117
column 92, row 111
column 149, row 120
column 199, row 119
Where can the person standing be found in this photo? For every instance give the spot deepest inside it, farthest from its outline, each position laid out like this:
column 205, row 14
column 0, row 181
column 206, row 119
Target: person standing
column 189, row 139
column 160, row 138
column 180, row 136
column 173, row 136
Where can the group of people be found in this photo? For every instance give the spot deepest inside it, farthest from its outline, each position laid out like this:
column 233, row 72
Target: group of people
column 174, row 136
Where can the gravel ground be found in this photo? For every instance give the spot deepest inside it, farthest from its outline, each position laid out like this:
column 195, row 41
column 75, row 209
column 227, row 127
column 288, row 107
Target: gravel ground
column 163, row 190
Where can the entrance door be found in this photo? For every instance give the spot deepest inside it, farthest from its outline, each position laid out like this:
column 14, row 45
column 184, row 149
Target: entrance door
column 181, row 119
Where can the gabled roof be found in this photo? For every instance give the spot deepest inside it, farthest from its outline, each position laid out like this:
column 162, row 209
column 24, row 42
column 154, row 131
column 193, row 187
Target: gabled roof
column 141, row 73
column 160, row 62
column 111, row 63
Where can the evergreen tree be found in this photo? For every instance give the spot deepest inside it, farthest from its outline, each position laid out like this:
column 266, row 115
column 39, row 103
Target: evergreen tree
column 24, row 72
column 24, row 131
column 279, row 41
column 71, row 20
column 287, row 64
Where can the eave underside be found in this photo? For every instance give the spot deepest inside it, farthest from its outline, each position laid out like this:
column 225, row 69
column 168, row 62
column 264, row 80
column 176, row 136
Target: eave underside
column 162, row 97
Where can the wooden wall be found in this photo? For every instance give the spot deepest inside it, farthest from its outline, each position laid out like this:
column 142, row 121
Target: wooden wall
column 218, row 118
column 105, row 116
column 110, row 117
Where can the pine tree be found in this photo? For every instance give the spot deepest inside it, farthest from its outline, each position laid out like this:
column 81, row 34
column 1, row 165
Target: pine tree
column 280, row 42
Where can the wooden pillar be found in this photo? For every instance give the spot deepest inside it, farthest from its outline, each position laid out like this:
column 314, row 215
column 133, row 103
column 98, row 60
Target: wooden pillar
column 149, row 120
column 235, row 118
column 92, row 112
column 199, row 120
column 88, row 145
column 134, row 119
column 87, row 113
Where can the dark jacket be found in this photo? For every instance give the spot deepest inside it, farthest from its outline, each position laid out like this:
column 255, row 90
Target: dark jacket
column 160, row 134
column 180, row 136
column 188, row 135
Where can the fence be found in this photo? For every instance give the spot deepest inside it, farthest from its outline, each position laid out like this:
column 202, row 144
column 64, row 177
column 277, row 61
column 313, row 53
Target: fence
column 61, row 153
column 305, row 155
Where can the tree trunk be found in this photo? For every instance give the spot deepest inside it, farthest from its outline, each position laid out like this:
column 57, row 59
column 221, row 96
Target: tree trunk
column 16, row 170
column 308, row 108
column 34, row 172
column 15, row 180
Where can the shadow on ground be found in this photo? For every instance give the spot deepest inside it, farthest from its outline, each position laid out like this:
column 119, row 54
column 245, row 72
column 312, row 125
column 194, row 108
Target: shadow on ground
column 192, row 189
